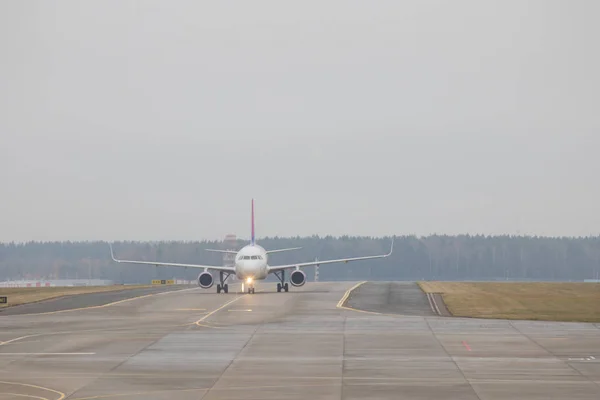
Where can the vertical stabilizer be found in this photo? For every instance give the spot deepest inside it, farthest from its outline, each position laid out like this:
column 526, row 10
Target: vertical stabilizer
column 252, row 222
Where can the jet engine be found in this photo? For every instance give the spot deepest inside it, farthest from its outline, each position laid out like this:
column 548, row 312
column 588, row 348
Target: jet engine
column 205, row 280
column 298, row 278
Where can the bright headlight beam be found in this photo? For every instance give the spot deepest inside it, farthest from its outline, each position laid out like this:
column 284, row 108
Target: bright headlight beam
column 249, row 280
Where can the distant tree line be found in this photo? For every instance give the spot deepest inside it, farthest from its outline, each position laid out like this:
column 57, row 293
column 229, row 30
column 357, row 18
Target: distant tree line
column 435, row 257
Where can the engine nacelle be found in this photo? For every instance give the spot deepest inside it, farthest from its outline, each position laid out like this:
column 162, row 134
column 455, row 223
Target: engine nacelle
column 205, row 280
column 298, row 278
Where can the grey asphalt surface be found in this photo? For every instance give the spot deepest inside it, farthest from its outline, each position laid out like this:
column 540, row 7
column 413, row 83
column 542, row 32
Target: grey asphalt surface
column 195, row 344
column 84, row 300
column 405, row 298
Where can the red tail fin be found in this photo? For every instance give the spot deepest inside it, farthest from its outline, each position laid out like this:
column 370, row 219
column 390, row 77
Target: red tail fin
column 252, row 221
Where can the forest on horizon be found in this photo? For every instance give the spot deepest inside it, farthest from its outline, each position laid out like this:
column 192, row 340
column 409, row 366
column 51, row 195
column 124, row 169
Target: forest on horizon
column 434, row 257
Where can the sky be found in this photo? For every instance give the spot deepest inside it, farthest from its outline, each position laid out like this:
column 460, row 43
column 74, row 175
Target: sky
column 161, row 120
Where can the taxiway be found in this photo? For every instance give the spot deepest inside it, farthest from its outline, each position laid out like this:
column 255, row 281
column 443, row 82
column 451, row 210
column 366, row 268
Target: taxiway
column 195, row 344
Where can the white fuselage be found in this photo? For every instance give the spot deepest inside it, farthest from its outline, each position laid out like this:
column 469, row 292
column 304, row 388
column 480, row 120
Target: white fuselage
column 251, row 262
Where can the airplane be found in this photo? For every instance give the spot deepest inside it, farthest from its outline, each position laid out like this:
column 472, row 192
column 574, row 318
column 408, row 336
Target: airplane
column 251, row 265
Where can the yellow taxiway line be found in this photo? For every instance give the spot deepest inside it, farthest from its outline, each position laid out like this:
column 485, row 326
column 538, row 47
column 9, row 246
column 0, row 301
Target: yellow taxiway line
column 61, row 394
column 341, row 305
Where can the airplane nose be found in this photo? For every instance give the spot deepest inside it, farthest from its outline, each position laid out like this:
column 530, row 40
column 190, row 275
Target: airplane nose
column 250, row 265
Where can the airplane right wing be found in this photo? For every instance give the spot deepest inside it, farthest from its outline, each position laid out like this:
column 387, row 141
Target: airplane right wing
column 276, row 268
column 165, row 264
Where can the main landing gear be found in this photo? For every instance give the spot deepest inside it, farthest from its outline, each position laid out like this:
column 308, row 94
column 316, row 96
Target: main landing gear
column 282, row 285
column 223, row 286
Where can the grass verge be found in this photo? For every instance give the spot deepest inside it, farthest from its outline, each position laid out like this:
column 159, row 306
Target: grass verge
column 17, row 296
column 523, row 300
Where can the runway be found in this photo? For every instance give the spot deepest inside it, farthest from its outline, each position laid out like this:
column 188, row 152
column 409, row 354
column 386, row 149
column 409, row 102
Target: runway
column 196, row 344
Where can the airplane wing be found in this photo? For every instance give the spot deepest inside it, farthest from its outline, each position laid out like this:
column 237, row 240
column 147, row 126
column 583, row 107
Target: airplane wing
column 164, row 264
column 222, row 251
column 280, row 250
column 276, row 268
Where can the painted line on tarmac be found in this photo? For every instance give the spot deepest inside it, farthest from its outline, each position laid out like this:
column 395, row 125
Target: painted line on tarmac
column 29, row 396
column 61, row 394
column 326, row 384
column 349, row 291
column 198, row 323
column 103, row 305
column 82, row 331
column 47, row 354
column 27, row 341
column 341, row 305
column 17, row 339
column 433, row 304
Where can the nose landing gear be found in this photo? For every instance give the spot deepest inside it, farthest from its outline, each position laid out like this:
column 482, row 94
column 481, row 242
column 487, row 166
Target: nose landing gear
column 250, row 285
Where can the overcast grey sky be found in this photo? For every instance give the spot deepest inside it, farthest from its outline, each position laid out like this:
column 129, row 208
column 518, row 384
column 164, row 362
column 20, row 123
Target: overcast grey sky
column 162, row 119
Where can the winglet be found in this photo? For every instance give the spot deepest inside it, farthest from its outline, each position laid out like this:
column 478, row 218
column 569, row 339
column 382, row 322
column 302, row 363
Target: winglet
column 112, row 255
column 391, row 247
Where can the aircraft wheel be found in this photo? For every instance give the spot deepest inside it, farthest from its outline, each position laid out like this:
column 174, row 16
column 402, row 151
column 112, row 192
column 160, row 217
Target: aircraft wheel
column 226, row 288
column 218, row 288
column 286, row 287
column 278, row 287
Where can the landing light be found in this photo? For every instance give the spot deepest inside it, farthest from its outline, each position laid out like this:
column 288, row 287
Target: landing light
column 249, row 280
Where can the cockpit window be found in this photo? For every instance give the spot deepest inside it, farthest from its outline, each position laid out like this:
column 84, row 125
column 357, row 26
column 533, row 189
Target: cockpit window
column 251, row 258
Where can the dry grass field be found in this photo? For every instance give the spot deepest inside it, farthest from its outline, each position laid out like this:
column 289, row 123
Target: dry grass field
column 18, row 296
column 528, row 300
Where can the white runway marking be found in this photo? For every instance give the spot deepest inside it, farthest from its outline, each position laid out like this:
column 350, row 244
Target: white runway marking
column 46, row 354
column 218, row 309
column 16, row 339
column 590, row 358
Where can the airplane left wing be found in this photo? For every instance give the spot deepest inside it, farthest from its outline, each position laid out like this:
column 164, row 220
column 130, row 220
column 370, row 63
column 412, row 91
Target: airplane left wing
column 276, row 268
column 222, row 251
column 165, row 264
